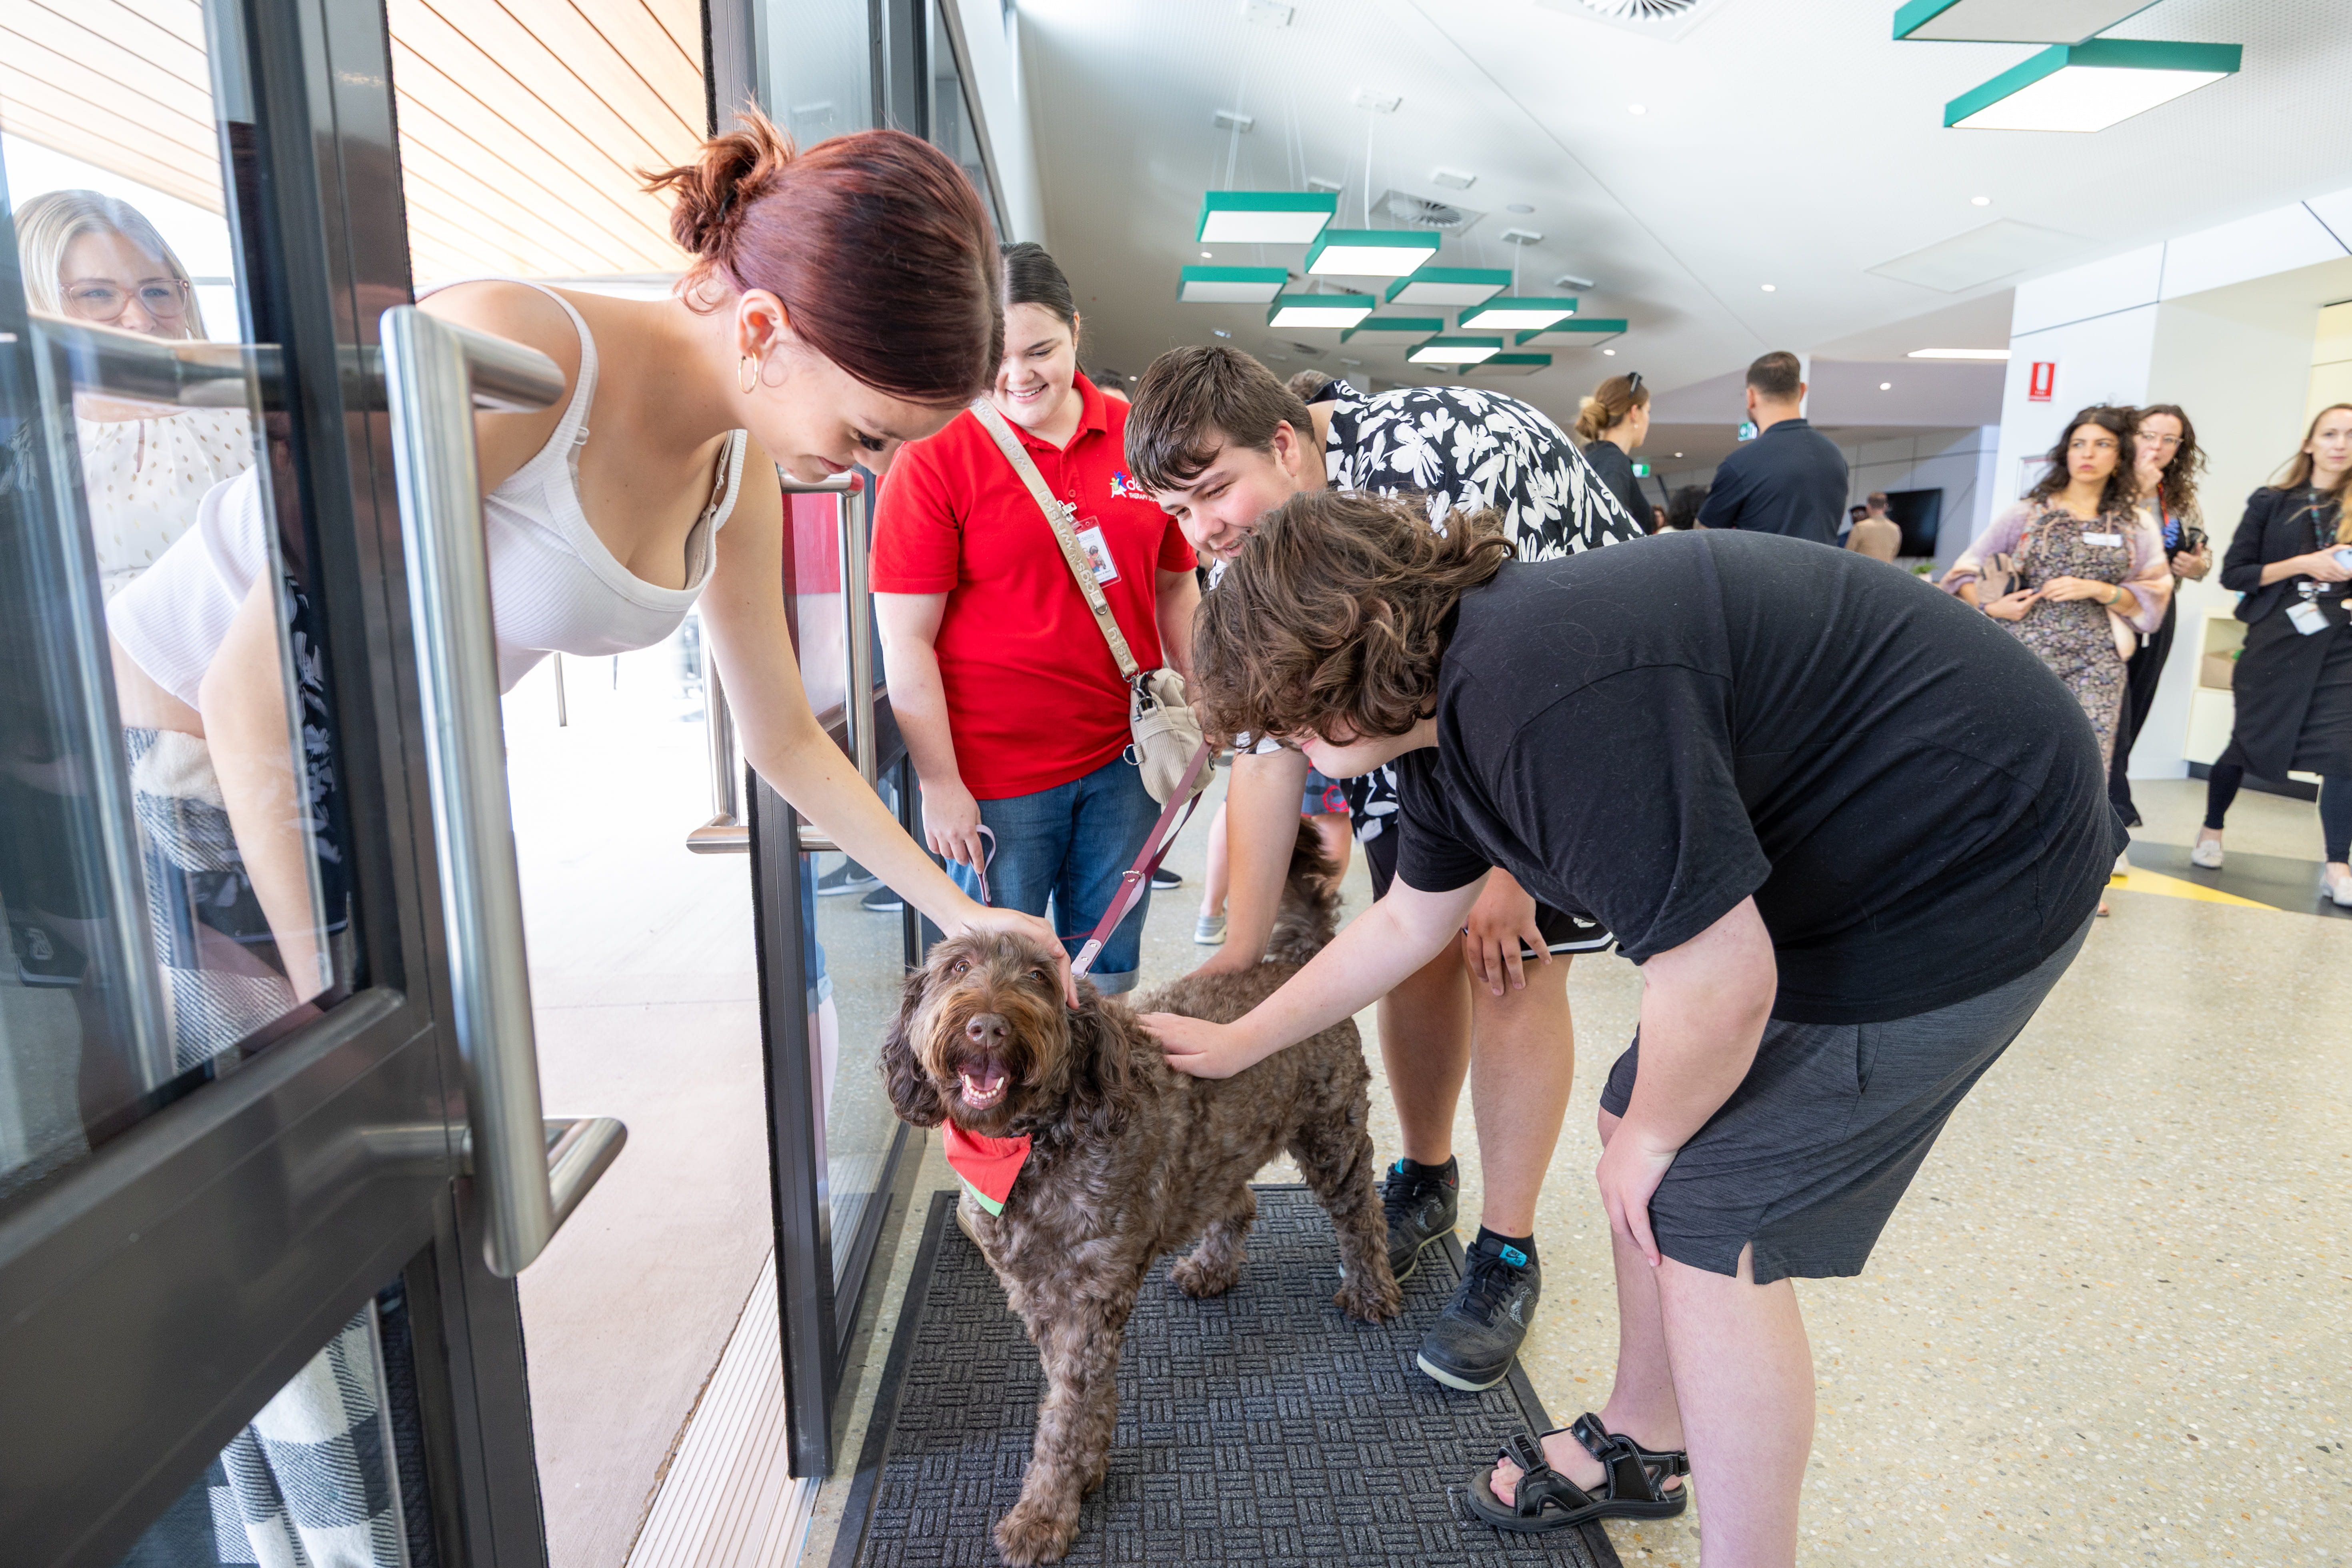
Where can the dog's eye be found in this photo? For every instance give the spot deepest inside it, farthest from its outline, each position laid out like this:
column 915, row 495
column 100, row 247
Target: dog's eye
column 1041, row 977
column 961, row 966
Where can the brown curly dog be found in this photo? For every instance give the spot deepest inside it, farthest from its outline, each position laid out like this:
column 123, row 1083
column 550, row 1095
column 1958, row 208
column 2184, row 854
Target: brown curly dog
column 1129, row 1159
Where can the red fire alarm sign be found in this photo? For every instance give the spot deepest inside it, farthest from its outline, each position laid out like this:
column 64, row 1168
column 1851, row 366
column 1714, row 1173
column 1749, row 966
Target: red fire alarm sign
column 2044, row 381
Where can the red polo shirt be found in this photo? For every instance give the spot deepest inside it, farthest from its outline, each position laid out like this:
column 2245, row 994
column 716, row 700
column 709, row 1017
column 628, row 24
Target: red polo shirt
column 1034, row 698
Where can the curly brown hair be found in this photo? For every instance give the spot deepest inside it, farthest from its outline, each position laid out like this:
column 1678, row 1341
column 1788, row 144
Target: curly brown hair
column 1334, row 616
column 2122, row 488
column 2177, row 486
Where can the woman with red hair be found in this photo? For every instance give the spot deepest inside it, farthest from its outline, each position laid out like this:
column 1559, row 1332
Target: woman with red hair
column 842, row 302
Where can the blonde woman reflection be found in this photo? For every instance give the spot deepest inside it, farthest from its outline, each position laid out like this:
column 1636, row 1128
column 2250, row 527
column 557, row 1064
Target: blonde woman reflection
column 91, row 257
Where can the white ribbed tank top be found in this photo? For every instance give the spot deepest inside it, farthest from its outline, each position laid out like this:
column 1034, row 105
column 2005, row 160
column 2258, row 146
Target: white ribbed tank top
column 554, row 587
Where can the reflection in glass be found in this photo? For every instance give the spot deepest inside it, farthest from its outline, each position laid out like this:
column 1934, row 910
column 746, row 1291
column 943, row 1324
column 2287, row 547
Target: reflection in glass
column 818, row 62
column 318, row 1476
column 856, row 960
column 171, row 870
column 952, row 130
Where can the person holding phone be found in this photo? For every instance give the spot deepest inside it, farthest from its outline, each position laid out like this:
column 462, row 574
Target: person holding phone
column 2291, row 558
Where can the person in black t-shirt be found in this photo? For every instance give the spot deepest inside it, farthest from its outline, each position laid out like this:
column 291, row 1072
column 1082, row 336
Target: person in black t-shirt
column 1852, row 832
column 1791, row 479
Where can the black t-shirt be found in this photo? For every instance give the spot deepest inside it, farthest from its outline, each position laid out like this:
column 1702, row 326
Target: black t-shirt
column 1649, row 735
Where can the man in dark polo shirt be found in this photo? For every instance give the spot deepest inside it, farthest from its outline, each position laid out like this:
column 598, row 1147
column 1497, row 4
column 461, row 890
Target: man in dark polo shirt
column 1791, row 479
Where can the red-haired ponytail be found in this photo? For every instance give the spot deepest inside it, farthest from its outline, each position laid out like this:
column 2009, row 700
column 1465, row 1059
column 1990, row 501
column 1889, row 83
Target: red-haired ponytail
column 875, row 242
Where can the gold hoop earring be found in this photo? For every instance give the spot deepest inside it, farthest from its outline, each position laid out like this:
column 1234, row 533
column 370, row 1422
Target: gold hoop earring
column 746, row 372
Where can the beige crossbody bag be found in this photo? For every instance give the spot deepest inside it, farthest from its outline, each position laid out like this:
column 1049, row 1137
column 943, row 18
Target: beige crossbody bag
column 1163, row 732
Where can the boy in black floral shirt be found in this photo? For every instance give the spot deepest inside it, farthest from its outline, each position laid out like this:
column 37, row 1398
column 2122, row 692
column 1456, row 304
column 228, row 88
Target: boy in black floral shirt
column 1219, row 441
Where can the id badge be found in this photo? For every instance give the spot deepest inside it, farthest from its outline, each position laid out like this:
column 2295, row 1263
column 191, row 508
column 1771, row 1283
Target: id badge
column 2104, row 540
column 1097, row 549
column 2308, row 618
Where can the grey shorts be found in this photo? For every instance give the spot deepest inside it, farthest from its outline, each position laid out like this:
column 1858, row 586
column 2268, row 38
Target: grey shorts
column 1809, row 1155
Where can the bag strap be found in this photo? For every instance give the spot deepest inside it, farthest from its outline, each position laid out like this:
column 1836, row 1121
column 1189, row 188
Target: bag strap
column 1058, row 516
column 1156, row 845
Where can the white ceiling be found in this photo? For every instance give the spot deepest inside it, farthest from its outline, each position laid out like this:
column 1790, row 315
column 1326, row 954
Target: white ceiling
column 1783, row 142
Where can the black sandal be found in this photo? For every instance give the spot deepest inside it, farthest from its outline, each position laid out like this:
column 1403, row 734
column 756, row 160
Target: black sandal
column 1545, row 1500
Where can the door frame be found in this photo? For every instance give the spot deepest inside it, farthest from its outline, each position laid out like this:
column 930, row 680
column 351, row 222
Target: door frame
column 155, row 1295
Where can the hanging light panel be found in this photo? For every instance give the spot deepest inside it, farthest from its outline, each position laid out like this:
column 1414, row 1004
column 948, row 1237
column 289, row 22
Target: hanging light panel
column 2011, row 21
column 1229, row 285
column 1265, row 217
column 1516, row 311
column 1319, row 309
column 1449, row 286
column 1455, row 350
column 2090, row 86
column 1513, row 364
column 1370, row 252
column 1589, row 331
column 1415, row 326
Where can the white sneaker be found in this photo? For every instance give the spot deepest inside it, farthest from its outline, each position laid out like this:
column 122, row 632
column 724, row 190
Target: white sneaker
column 2337, row 887
column 2206, row 852
column 1209, row 930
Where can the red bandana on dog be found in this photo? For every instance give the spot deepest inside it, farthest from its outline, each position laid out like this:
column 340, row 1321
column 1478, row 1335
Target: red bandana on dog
column 986, row 1166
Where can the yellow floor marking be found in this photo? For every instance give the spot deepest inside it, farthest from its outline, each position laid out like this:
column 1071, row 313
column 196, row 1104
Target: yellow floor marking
column 2145, row 881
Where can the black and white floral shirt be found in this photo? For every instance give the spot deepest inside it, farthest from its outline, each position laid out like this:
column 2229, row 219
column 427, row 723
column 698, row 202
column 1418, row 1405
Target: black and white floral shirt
column 1463, row 447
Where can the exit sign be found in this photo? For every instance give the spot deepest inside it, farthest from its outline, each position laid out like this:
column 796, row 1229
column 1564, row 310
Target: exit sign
column 1640, row 471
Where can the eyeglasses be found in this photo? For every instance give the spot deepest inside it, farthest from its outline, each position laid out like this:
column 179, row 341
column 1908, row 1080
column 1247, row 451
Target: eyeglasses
column 165, row 302
column 2148, row 440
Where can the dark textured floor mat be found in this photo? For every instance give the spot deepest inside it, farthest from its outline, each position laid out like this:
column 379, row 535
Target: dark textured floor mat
column 1261, row 1427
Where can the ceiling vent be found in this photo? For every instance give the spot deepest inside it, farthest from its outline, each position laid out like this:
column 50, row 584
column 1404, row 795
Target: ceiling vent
column 1419, row 211
column 1666, row 20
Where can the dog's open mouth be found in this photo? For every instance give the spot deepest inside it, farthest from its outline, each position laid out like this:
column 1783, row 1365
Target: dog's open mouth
column 984, row 1082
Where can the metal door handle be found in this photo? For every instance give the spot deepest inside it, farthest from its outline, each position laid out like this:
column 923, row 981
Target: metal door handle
column 432, row 371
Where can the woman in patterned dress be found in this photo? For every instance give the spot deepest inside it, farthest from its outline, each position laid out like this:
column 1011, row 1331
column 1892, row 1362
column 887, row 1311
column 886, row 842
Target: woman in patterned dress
column 2084, row 570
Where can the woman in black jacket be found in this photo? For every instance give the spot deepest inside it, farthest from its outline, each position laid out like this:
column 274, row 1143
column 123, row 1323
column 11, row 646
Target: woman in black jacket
column 2293, row 682
column 1612, row 424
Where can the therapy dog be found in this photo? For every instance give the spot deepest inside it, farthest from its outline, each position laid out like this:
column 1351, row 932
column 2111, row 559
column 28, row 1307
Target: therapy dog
column 1127, row 1159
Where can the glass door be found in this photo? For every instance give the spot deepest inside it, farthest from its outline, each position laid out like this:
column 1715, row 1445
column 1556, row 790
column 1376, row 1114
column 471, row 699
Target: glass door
column 265, row 1171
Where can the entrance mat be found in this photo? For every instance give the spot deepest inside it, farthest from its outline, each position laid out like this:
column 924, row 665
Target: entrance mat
column 1259, row 1427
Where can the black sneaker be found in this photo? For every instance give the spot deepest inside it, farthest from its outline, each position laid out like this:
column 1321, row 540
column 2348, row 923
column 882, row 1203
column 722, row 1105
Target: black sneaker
column 1163, row 880
column 1472, row 1344
column 1419, row 1210
column 882, row 901
column 849, row 876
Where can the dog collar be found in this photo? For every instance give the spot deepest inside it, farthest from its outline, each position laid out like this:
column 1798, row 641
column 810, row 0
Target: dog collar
column 986, row 1166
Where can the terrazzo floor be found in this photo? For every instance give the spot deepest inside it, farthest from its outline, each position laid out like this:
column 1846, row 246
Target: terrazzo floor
column 2113, row 1321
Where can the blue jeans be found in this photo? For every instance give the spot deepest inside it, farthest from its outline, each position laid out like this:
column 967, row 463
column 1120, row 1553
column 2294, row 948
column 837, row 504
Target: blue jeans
column 1068, row 844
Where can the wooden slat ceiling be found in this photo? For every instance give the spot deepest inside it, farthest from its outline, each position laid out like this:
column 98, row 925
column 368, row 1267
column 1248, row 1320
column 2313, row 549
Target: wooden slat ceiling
column 522, row 122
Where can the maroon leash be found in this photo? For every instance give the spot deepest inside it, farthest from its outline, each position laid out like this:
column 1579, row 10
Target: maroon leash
column 1138, row 877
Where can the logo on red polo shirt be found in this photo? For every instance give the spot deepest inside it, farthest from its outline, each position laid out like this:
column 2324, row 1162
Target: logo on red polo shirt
column 1126, row 488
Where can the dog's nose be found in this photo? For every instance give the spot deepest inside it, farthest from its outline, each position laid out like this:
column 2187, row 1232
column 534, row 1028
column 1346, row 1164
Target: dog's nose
column 987, row 1029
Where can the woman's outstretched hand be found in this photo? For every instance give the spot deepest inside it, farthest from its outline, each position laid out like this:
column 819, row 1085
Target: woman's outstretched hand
column 981, row 917
column 1203, row 1049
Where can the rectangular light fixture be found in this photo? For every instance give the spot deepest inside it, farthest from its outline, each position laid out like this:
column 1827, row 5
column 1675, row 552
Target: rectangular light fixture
column 1455, row 350
column 1265, row 217
column 1513, row 364
column 2091, row 86
column 1449, row 286
column 2011, row 21
column 1370, row 252
column 1229, row 285
column 1517, row 311
column 1593, row 329
column 1318, row 310
column 1417, row 326
column 1958, row 353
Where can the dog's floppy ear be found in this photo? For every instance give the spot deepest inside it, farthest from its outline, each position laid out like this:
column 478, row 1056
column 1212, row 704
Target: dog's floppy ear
column 1102, row 1068
column 912, row 1095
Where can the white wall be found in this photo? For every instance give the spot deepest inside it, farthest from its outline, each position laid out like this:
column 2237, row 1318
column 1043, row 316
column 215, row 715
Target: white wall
column 992, row 37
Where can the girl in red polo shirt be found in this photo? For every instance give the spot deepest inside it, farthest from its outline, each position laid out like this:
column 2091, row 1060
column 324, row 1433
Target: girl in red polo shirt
column 1011, row 703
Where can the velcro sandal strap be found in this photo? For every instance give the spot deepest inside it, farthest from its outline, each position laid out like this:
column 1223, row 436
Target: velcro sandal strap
column 1598, row 1441
column 1526, row 1452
